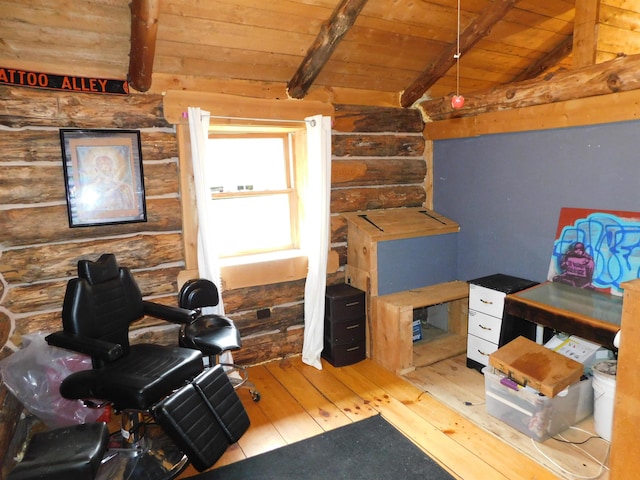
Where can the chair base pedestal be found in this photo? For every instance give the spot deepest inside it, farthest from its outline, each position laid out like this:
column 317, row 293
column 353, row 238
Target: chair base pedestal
column 238, row 375
column 153, row 457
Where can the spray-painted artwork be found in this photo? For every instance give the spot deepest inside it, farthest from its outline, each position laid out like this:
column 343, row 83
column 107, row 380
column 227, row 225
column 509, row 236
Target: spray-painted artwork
column 596, row 249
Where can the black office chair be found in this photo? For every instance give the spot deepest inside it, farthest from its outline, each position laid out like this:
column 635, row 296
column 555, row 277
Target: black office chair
column 212, row 334
column 98, row 308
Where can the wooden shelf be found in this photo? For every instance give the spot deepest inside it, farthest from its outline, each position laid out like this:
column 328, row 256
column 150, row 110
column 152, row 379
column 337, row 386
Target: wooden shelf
column 431, row 295
column 392, row 321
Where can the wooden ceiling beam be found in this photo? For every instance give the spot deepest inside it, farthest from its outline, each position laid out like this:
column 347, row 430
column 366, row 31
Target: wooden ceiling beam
column 144, row 30
column 478, row 29
column 585, row 33
column 331, row 33
column 617, row 75
column 551, row 59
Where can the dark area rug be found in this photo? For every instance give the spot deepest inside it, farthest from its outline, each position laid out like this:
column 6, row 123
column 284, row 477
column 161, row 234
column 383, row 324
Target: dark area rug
column 368, row 449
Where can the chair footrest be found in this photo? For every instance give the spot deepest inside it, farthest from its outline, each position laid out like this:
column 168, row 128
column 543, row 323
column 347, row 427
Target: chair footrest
column 204, row 417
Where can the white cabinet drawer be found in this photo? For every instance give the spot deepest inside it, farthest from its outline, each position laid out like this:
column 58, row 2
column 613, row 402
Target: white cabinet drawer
column 485, row 300
column 484, row 326
column 479, row 349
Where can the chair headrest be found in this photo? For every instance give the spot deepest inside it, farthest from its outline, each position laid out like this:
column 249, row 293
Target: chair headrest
column 198, row 293
column 103, row 269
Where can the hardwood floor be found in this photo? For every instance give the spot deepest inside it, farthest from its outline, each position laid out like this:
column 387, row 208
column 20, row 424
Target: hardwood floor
column 463, row 390
column 299, row 401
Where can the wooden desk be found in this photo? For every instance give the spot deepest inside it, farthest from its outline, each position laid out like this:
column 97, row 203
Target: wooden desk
column 591, row 315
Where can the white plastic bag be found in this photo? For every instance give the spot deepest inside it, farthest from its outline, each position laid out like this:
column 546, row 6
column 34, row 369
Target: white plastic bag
column 34, row 374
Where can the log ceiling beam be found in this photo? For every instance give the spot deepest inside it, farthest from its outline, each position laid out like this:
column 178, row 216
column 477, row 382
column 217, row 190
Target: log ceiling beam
column 144, row 29
column 331, row 33
column 554, row 57
column 478, row 29
column 617, row 75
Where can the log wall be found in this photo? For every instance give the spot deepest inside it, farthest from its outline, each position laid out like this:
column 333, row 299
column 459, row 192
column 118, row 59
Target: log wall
column 377, row 162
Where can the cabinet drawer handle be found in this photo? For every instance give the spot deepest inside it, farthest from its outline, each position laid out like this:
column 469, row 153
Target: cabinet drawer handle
column 486, row 302
column 351, row 327
column 482, row 353
column 351, row 304
column 353, row 349
column 485, row 328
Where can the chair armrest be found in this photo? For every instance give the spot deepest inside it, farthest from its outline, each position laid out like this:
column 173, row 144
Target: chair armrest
column 106, row 351
column 169, row 313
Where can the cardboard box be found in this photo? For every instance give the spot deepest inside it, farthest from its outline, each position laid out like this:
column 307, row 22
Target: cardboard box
column 532, row 413
column 536, row 366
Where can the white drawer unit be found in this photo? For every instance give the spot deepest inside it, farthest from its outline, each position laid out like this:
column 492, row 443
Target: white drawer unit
column 478, row 350
column 484, row 326
column 487, row 330
column 486, row 300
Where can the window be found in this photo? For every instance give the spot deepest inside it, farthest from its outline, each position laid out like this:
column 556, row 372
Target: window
column 251, row 177
column 227, row 118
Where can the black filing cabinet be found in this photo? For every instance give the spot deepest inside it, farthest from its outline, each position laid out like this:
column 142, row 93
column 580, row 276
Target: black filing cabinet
column 344, row 325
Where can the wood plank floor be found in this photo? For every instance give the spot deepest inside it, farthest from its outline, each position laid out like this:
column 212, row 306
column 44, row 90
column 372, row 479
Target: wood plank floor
column 462, row 390
column 299, row 401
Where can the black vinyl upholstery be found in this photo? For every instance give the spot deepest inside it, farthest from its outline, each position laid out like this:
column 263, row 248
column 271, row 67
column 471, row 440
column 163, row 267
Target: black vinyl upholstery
column 212, row 334
column 98, row 308
column 199, row 410
column 205, row 417
column 73, row 452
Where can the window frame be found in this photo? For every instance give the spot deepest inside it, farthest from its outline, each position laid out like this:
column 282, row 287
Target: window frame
column 233, row 110
column 291, row 189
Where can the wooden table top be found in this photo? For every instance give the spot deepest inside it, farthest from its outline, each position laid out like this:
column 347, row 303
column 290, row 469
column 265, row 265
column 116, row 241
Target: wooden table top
column 589, row 314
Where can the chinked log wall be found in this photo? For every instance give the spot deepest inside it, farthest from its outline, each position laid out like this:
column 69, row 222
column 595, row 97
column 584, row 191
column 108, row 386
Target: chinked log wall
column 377, row 163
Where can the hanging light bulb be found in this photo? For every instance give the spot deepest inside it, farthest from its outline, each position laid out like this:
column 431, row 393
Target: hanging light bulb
column 457, row 101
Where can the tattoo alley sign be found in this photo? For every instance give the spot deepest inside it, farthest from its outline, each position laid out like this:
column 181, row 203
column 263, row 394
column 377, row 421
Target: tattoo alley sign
column 24, row 78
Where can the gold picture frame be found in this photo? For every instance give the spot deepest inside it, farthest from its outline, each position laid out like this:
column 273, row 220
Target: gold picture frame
column 103, row 174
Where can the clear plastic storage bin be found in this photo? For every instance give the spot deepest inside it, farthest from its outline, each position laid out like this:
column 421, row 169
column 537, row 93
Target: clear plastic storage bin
column 532, row 413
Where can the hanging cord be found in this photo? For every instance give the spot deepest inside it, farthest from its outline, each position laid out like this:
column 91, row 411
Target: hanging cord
column 457, row 101
column 457, row 54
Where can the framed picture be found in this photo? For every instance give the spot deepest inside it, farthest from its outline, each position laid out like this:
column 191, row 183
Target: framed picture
column 103, row 176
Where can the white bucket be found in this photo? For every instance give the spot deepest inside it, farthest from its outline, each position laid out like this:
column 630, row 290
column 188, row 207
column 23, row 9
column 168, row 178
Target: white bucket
column 604, row 392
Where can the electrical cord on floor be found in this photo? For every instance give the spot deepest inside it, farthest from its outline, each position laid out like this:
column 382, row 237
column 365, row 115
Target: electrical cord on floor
column 472, row 404
column 602, row 468
column 563, row 440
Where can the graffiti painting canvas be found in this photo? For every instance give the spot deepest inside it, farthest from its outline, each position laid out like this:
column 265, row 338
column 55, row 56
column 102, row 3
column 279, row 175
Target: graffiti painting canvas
column 596, row 249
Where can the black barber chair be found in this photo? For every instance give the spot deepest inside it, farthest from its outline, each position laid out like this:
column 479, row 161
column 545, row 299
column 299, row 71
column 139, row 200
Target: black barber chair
column 98, row 308
column 212, row 334
column 203, row 417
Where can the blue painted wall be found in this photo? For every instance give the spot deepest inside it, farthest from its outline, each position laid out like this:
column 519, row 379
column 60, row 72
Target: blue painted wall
column 398, row 269
column 506, row 190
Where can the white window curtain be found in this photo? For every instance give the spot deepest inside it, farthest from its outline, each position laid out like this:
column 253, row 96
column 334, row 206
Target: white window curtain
column 208, row 259
column 316, row 230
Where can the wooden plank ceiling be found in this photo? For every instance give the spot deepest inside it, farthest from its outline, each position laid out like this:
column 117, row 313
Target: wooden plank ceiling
column 378, row 52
